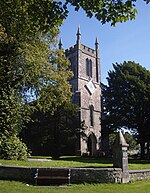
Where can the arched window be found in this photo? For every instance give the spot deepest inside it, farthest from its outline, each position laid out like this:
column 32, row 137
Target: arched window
column 90, row 61
column 91, row 115
column 89, row 68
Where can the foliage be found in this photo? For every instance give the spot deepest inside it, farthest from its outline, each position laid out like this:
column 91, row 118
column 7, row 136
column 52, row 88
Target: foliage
column 11, row 147
column 27, row 43
column 106, row 11
column 53, row 134
column 55, row 90
column 25, row 73
column 9, row 114
column 130, row 139
column 25, row 19
column 26, row 68
column 127, row 99
column 52, row 13
column 28, row 59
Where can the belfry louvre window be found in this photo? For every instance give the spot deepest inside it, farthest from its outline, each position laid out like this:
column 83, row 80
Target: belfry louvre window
column 91, row 115
column 89, row 67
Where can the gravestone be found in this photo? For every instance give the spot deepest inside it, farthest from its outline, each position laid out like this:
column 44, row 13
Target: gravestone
column 120, row 156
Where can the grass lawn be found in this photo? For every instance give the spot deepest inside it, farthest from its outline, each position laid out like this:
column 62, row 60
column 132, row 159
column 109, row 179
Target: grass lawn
column 65, row 161
column 137, row 187
column 73, row 161
column 139, row 164
column 18, row 187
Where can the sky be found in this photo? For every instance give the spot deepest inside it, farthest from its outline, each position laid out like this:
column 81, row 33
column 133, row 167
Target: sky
column 129, row 41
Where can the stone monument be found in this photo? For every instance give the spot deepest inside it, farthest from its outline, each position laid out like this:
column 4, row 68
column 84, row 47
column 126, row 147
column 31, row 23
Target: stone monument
column 120, row 156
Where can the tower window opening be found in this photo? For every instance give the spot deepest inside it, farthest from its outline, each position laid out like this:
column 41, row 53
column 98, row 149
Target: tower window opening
column 91, row 115
column 89, row 68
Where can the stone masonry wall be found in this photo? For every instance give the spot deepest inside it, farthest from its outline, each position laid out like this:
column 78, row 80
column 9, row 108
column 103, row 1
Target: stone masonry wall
column 139, row 175
column 78, row 175
column 90, row 175
column 17, row 173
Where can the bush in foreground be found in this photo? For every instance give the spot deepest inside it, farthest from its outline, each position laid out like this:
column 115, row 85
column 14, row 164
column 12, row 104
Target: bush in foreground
column 12, row 148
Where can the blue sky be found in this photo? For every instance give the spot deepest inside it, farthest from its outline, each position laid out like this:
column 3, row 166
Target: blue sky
column 128, row 41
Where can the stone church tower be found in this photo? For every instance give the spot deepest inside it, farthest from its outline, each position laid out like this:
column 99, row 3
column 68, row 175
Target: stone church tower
column 85, row 64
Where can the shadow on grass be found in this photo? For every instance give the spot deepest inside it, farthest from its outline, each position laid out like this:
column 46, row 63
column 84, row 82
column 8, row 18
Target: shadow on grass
column 101, row 161
column 138, row 161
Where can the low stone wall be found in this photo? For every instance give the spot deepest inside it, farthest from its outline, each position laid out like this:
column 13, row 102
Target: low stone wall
column 96, row 175
column 17, row 173
column 139, row 174
column 78, row 175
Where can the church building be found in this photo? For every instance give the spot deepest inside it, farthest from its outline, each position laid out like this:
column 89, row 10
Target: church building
column 85, row 64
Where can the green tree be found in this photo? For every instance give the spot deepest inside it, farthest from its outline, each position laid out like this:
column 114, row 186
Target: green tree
column 30, row 65
column 53, row 134
column 105, row 11
column 130, row 139
column 48, row 14
column 127, row 100
column 45, row 79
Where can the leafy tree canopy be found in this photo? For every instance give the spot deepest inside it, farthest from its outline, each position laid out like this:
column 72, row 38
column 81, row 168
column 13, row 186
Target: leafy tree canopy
column 127, row 99
column 130, row 139
column 29, row 60
column 53, row 134
column 105, row 11
column 24, row 18
column 40, row 15
column 30, row 64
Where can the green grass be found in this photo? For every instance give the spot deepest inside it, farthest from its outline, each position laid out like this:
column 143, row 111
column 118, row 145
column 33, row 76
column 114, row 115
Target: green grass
column 70, row 161
column 73, row 161
column 18, row 187
column 139, row 164
column 138, row 186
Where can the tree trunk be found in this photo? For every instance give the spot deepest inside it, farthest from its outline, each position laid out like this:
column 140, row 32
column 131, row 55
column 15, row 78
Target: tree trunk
column 56, row 142
column 142, row 144
column 148, row 152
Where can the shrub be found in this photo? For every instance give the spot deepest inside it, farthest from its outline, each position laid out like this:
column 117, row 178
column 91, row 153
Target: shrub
column 12, row 148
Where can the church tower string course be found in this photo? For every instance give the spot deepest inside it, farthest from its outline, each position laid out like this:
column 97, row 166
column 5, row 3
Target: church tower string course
column 85, row 64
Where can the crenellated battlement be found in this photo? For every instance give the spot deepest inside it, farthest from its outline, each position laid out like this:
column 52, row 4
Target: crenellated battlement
column 87, row 49
column 83, row 48
column 71, row 49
